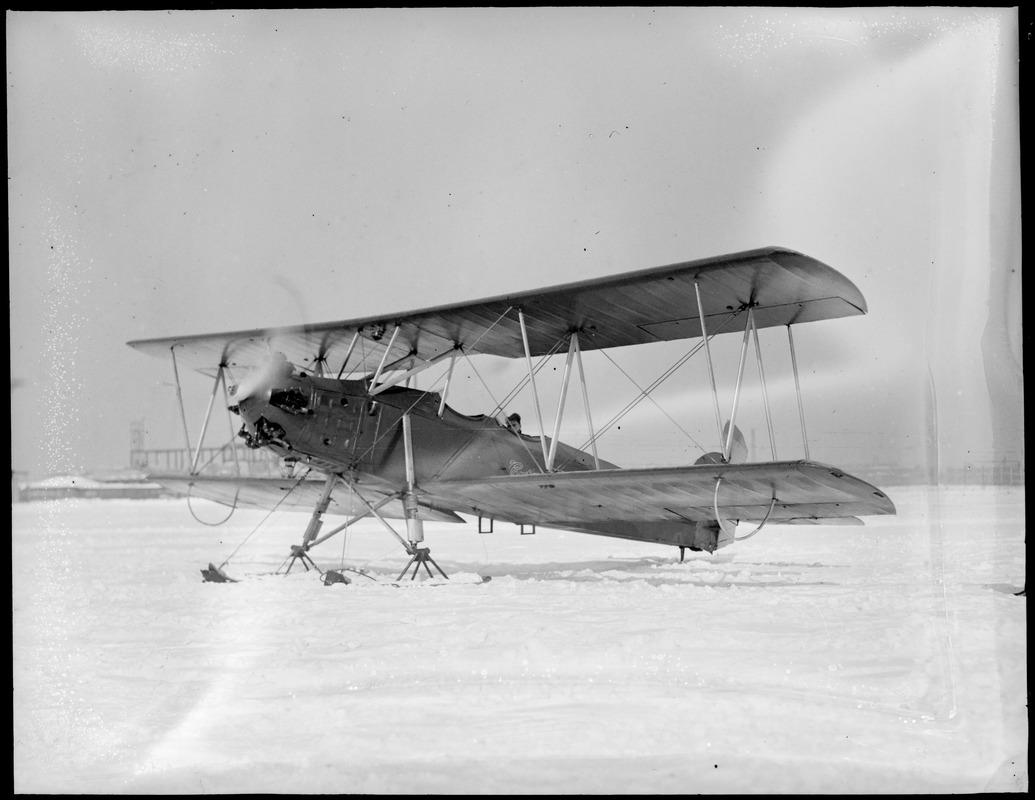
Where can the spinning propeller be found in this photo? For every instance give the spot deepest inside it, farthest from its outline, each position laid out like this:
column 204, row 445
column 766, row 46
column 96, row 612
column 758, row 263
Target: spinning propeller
column 263, row 380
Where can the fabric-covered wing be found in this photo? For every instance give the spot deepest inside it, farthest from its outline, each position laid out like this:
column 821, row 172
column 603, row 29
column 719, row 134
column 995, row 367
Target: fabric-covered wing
column 599, row 500
column 658, row 304
column 289, row 494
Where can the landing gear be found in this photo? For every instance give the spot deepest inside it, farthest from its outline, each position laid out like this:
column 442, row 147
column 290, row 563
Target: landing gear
column 298, row 553
column 682, row 552
column 420, row 557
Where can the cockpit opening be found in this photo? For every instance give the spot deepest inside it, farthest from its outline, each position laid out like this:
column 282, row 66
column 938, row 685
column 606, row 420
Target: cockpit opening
column 292, row 400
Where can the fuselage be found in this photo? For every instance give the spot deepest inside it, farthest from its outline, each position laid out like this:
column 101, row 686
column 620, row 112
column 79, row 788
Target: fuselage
column 336, row 426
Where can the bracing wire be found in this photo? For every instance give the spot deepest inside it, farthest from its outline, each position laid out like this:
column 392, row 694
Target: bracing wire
column 263, row 520
column 500, row 406
column 493, row 325
column 216, row 454
column 655, row 402
column 464, row 352
column 646, row 392
column 424, row 393
column 378, row 437
column 525, row 380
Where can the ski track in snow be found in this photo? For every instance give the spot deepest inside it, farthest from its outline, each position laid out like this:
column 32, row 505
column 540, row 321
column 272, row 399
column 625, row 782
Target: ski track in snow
column 887, row 658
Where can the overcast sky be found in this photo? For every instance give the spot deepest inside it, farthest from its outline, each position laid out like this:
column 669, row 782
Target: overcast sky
column 190, row 172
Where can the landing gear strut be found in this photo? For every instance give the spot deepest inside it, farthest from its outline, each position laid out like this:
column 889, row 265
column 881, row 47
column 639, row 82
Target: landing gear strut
column 298, row 553
column 420, row 557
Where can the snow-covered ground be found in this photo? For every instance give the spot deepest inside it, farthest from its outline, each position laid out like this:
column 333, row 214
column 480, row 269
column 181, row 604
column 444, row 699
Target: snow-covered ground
column 888, row 658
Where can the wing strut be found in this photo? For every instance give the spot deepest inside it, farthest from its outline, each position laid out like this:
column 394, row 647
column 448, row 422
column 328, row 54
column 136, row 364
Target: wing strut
column 220, row 380
column 711, row 368
column 233, row 433
column 560, row 402
column 761, row 377
column 384, row 358
column 727, row 447
column 657, row 382
column 535, row 392
column 797, row 389
column 348, row 354
column 585, row 401
column 405, row 376
column 208, row 416
column 179, row 397
column 445, row 389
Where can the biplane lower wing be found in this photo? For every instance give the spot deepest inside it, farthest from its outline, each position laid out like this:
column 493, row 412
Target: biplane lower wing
column 290, row 494
column 659, row 504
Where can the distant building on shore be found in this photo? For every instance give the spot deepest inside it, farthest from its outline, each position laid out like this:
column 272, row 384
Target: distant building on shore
column 60, row 487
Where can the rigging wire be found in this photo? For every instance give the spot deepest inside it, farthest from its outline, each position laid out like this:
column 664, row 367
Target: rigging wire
column 464, row 352
column 215, row 455
column 646, row 392
column 521, row 439
column 525, row 380
column 268, row 515
column 655, row 402
column 431, row 388
column 379, row 436
column 493, row 325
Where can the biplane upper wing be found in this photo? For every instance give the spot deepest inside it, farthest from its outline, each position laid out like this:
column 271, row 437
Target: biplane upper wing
column 657, row 304
column 604, row 500
column 290, row 494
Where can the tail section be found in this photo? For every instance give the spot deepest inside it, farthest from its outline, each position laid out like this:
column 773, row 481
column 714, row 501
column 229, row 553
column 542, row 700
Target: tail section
column 738, row 448
column 709, row 535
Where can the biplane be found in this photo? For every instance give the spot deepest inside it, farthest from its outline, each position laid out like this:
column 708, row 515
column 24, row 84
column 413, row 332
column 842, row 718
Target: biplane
column 335, row 398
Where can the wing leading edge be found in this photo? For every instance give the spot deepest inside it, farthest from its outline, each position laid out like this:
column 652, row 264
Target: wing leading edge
column 658, row 304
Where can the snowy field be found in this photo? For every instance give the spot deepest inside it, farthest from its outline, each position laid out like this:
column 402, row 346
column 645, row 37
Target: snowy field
column 889, row 658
